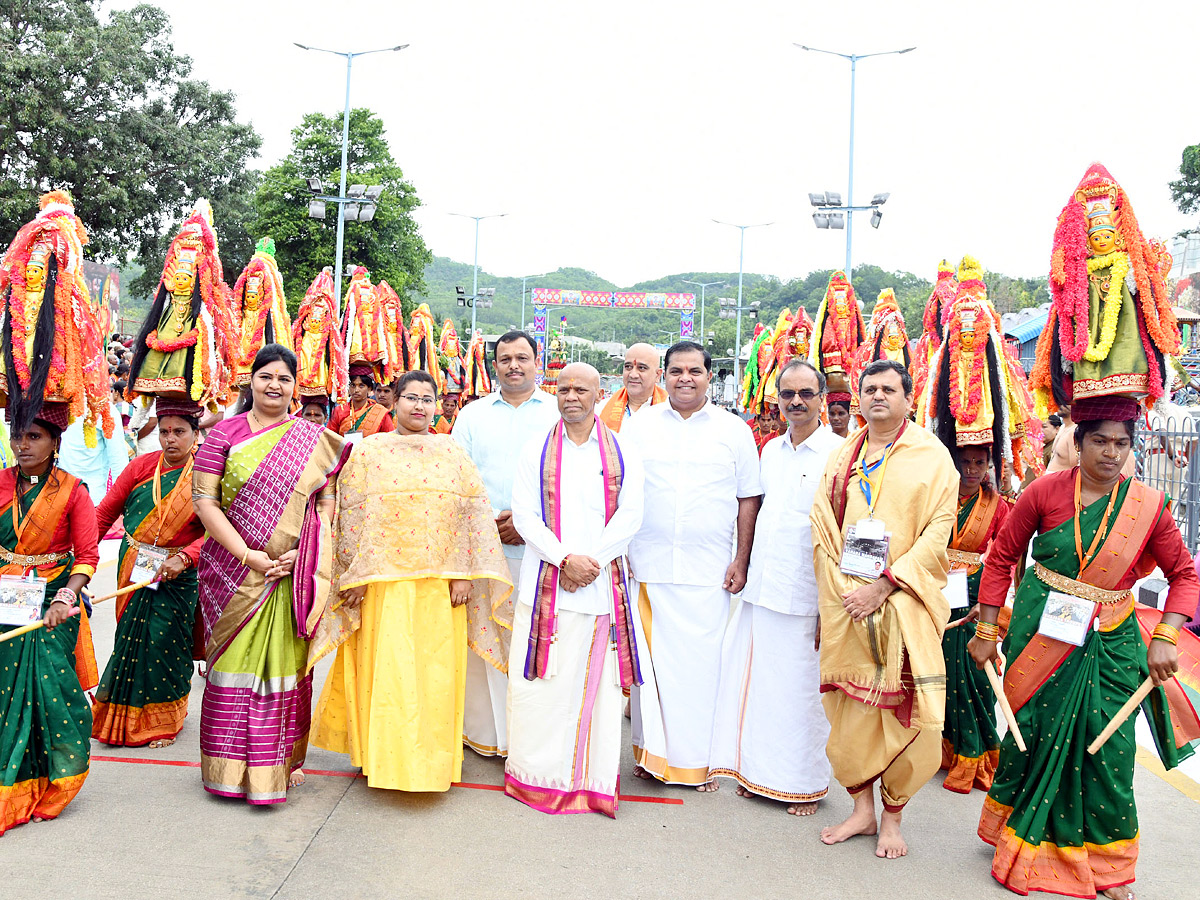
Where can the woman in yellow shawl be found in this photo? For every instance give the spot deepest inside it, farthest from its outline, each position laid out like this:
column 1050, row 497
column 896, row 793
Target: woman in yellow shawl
column 416, row 554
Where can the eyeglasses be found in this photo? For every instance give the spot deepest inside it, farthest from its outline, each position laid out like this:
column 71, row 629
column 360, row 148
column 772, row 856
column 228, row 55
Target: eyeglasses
column 806, row 395
column 414, row 399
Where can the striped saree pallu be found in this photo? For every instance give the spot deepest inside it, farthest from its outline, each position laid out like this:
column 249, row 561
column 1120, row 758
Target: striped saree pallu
column 143, row 695
column 45, row 718
column 970, row 742
column 1063, row 820
column 256, row 708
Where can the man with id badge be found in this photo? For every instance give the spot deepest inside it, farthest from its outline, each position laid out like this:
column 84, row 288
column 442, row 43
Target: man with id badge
column 881, row 521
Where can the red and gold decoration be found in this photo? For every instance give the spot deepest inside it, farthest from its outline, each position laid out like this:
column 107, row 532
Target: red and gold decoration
column 792, row 343
column 937, row 310
column 762, row 353
column 188, row 346
column 1111, row 324
column 395, row 335
column 476, row 371
column 837, row 334
column 322, row 369
column 450, row 360
column 259, row 308
column 53, row 346
column 362, row 324
column 422, row 343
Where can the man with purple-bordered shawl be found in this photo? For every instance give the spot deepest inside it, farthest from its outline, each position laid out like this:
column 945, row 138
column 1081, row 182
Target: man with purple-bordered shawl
column 577, row 502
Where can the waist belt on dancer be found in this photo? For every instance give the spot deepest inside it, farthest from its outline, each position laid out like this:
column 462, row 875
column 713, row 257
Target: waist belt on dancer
column 40, row 559
column 171, row 551
column 964, row 559
column 1080, row 589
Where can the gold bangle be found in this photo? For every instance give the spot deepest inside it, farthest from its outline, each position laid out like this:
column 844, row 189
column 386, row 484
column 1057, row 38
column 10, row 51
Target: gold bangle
column 246, row 555
column 987, row 631
column 1164, row 632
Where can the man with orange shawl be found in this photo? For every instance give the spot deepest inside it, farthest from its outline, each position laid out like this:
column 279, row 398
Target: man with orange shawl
column 880, row 524
column 639, row 386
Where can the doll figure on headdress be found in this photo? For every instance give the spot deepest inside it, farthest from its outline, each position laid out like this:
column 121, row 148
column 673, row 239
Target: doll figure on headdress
column 762, row 352
column 450, row 359
column 475, row 369
column 321, row 356
column 422, row 342
column 837, row 333
column 886, row 338
column 52, row 343
column 395, row 341
column 937, row 310
column 1111, row 321
column 188, row 344
column 362, row 324
column 793, row 343
column 260, row 308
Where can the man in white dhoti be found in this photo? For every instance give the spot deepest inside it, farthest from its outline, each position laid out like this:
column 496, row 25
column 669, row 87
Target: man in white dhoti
column 770, row 729
column 577, row 501
column 492, row 430
column 701, row 480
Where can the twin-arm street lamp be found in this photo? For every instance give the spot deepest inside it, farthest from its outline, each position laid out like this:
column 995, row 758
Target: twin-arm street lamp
column 475, row 280
column 702, row 286
column 738, row 308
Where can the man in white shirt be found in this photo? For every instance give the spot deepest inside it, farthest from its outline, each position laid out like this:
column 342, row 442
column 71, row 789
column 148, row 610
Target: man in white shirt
column 577, row 501
column 492, row 430
column 771, row 728
column 701, row 481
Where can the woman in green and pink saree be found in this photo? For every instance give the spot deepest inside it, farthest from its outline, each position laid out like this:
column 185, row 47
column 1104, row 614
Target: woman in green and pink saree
column 263, row 487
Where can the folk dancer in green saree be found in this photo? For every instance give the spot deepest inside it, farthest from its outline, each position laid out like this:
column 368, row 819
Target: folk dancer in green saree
column 143, row 696
column 48, row 531
column 263, row 488
column 1063, row 820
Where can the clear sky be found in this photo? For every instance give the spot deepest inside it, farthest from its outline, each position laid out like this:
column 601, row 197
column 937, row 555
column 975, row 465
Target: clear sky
column 613, row 133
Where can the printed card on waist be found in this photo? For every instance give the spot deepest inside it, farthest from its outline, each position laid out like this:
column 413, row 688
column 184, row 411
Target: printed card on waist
column 21, row 599
column 865, row 557
column 956, row 589
column 1066, row 618
column 146, row 565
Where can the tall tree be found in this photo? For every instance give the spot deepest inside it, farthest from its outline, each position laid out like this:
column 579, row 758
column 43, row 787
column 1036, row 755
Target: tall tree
column 390, row 245
column 107, row 111
column 1185, row 191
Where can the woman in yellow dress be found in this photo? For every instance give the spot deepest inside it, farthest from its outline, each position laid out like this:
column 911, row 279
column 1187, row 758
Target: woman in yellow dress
column 416, row 553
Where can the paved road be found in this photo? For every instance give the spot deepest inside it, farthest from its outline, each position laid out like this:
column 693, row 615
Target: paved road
column 144, row 828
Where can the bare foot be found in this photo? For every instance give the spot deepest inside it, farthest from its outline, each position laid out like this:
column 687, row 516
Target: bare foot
column 803, row 809
column 296, row 779
column 860, row 821
column 36, row 819
column 628, row 709
column 640, row 772
column 1120, row 892
column 158, row 745
column 709, row 787
column 891, row 844
column 742, row 792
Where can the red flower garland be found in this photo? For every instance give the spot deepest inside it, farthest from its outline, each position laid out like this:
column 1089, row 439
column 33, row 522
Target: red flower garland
column 185, row 340
column 970, row 412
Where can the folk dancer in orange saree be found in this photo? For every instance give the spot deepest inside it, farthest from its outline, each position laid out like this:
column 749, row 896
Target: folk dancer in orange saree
column 262, row 486
column 1061, row 819
column 143, row 695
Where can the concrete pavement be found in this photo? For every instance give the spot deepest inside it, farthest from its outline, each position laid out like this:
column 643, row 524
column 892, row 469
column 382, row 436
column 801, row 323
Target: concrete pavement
column 143, row 827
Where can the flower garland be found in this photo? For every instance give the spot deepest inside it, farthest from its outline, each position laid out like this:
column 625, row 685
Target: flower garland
column 967, row 412
column 1119, row 261
column 185, row 340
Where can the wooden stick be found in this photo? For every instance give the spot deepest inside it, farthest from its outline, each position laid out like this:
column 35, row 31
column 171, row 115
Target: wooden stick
column 1005, row 706
column 34, row 626
column 1122, row 714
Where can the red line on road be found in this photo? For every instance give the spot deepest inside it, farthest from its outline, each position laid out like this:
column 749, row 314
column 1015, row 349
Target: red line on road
column 632, row 798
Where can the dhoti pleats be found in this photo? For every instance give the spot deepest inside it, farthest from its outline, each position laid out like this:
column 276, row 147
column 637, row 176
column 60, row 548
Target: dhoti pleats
column 485, row 729
column 394, row 697
column 770, row 729
column 680, row 629
column 565, row 730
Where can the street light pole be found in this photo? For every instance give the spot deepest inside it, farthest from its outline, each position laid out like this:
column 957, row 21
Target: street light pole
column 737, row 350
column 475, row 278
column 525, row 278
column 854, row 58
column 341, row 225
column 702, row 286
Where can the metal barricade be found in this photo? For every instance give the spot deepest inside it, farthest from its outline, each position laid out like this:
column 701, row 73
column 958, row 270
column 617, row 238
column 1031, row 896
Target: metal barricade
column 1168, row 458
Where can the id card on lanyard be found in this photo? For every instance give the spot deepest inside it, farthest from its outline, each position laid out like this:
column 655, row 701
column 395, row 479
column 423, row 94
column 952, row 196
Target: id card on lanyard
column 865, row 549
column 21, row 599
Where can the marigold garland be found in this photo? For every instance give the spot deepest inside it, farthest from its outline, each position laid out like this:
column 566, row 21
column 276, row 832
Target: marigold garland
column 967, row 412
column 1119, row 261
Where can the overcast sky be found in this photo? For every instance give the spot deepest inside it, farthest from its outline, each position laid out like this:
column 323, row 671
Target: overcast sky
column 613, row 133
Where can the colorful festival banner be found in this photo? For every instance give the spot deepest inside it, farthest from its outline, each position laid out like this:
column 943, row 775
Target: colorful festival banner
column 613, row 299
column 685, row 326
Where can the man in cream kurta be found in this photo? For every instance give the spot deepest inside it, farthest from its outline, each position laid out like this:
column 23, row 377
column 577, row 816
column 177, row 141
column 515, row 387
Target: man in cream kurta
column 883, row 674
column 701, row 482
column 492, row 430
column 564, row 724
column 771, row 729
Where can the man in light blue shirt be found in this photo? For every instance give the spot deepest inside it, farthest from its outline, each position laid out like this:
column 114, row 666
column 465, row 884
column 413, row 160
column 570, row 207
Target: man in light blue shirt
column 493, row 430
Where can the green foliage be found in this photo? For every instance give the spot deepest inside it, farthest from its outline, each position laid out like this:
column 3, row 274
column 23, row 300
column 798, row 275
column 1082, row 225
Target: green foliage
column 107, row 111
column 1186, row 190
column 390, row 245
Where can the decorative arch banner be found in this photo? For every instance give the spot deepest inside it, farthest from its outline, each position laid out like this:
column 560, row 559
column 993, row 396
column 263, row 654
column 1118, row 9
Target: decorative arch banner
column 613, row 299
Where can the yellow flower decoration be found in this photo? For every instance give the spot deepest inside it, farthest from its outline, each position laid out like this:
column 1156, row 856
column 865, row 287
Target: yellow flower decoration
column 1119, row 260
